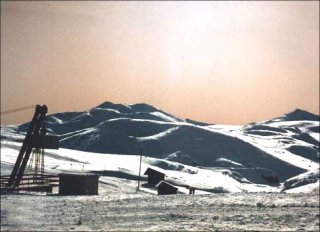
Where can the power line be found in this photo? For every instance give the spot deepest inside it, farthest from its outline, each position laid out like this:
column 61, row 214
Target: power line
column 17, row 109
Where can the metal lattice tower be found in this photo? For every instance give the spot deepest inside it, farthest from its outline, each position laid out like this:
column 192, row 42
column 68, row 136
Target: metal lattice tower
column 36, row 164
column 34, row 142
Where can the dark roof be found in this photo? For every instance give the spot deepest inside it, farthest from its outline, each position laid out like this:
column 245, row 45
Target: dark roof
column 150, row 170
column 77, row 174
column 164, row 183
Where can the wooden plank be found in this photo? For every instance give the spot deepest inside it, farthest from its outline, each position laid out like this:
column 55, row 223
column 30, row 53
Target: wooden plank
column 46, row 188
column 45, row 141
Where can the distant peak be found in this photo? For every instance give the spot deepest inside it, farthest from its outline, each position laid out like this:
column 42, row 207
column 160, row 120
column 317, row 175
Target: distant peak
column 299, row 111
column 299, row 114
column 123, row 108
column 105, row 105
column 109, row 105
column 143, row 107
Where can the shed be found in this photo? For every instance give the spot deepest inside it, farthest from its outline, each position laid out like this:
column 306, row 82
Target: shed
column 154, row 176
column 78, row 184
column 164, row 188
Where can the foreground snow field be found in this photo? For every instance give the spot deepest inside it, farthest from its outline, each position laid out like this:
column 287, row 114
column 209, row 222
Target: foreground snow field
column 145, row 212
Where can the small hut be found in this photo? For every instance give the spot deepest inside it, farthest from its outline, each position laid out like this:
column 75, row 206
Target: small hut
column 164, row 188
column 78, row 184
column 154, row 176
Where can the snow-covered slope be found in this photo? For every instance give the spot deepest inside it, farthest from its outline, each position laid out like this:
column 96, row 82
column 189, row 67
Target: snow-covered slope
column 263, row 153
column 305, row 180
column 122, row 171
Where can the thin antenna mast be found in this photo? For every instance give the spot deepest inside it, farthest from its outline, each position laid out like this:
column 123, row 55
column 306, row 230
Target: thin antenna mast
column 139, row 169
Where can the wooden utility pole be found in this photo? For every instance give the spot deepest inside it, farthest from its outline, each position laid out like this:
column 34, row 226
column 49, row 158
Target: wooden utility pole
column 139, row 169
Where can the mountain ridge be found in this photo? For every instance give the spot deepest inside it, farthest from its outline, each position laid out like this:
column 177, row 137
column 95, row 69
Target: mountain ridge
column 300, row 114
column 280, row 147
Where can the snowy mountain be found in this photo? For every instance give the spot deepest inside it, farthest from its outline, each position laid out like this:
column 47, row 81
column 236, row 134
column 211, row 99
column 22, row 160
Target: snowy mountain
column 268, row 152
column 304, row 180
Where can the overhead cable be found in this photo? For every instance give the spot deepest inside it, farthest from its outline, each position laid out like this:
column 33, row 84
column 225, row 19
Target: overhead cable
column 17, row 109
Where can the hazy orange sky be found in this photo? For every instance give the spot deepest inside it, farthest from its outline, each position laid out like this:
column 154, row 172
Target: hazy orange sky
column 219, row 62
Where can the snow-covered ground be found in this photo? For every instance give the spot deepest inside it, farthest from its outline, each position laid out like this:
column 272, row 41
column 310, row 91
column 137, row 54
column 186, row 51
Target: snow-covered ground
column 143, row 212
column 122, row 171
column 119, row 173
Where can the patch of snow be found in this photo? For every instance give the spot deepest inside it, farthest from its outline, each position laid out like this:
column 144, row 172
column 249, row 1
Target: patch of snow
column 157, row 136
column 163, row 116
column 271, row 146
column 77, row 133
column 227, row 161
column 110, row 110
column 57, row 120
column 308, row 188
